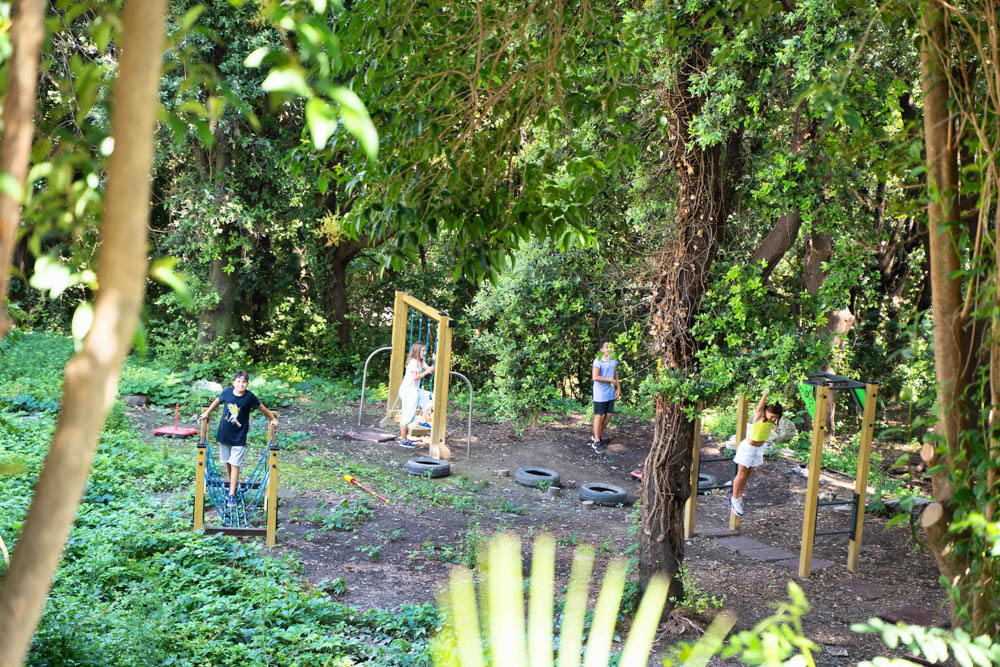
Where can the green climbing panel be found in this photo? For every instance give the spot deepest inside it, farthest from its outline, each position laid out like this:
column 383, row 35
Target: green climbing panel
column 808, row 397
column 860, row 393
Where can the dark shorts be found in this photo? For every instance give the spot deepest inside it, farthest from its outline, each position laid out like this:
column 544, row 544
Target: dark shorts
column 604, row 407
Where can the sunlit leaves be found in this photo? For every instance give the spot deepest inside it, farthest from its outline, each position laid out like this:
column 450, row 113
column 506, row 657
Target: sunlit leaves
column 459, row 644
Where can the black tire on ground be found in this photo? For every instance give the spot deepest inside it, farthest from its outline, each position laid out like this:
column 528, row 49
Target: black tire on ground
column 706, row 480
column 425, row 466
column 535, row 477
column 603, row 494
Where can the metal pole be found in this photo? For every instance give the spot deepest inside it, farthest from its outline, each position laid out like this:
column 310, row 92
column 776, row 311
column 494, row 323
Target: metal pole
column 364, row 379
column 468, row 442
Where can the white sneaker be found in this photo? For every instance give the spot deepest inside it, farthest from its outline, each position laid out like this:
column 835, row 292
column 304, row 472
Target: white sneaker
column 737, row 505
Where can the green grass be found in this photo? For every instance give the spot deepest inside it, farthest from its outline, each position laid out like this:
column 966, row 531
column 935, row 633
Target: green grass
column 136, row 586
column 320, row 471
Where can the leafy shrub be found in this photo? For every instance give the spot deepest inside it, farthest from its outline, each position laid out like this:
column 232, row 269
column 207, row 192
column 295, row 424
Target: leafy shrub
column 541, row 321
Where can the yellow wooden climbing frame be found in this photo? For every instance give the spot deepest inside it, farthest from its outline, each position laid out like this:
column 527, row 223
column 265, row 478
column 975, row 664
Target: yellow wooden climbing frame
column 442, row 367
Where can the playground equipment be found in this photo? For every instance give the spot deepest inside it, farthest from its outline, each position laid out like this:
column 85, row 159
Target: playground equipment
column 433, row 328
column 259, row 490
column 816, row 392
column 865, row 393
column 175, row 431
column 436, row 335
column 691, row 505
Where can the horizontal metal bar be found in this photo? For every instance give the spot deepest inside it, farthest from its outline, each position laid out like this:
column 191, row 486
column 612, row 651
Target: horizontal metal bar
column 837, row 502
column 833, row 532
column 716, row 460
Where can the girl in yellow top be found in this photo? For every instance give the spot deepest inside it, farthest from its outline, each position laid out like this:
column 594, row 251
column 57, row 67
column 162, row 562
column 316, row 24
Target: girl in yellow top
column 750, row 452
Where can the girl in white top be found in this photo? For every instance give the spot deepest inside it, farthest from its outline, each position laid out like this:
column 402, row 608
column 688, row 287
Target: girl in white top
column 411, row 396
column 750, row 452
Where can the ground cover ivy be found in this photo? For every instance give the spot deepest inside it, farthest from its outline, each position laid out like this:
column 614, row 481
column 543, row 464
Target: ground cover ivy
column 137, row 587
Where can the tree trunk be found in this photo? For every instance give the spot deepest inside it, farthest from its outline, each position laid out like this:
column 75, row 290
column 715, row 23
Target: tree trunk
column 946, row 303
column 27, row 33
column 92, row 375
column 335, row 295
column 704, row 196
column 782, row 236
column 214, row 323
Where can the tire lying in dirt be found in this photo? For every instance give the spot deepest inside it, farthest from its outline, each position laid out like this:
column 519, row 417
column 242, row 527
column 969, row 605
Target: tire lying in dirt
column 603, row 494
column 534, row 477
column 705, row 480
column 425, row 466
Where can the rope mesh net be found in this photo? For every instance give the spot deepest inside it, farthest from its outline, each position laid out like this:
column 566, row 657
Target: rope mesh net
column 249, row 493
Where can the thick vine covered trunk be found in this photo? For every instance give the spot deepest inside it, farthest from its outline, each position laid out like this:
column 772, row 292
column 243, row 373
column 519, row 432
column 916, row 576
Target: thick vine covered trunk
column 943, row 214
column 703, row 177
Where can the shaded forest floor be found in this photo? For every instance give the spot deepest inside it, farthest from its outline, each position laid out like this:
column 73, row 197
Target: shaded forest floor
column 373, row 555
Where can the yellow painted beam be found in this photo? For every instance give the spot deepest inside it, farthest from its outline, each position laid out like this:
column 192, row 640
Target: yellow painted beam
column 419, row 305
column 199, row 476
column 691, row 505
column 199, row 490
column 861, row 482
column 398, row 354
column 272, row 497
column 812, row 484
column 442, row 373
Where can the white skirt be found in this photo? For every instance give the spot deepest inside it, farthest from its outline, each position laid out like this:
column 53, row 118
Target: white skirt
column 412, row 399
column 748, row 455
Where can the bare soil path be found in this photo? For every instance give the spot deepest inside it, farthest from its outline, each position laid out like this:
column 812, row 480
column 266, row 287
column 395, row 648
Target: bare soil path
column 399, row 553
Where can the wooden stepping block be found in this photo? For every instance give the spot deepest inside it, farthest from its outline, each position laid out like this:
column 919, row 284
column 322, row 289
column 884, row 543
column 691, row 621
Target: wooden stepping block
column 714, row 532
column 370, row 436
column 861, row 589
column 768, row 554
column 739, row 543
column 910, row 616
column 793, row 563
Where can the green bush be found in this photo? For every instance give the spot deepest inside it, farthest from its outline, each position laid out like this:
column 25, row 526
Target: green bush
column 541, row 321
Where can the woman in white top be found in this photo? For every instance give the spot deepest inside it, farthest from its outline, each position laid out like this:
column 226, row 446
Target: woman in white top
column 411, row 396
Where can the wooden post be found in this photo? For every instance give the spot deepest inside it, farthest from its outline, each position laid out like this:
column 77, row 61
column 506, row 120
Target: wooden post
column 812, row 484
column 741, row 433
column 692, row 502
column 199, row 476
column 272, row 496
column 861, row 482
column 399, row 352
column 442, row 368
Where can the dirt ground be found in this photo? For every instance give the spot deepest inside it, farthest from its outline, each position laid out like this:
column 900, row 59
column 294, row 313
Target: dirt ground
column 404, row 551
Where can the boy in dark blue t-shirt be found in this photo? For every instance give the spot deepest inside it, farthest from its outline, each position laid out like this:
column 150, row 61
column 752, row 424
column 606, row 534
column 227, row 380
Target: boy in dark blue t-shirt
column 232, row 435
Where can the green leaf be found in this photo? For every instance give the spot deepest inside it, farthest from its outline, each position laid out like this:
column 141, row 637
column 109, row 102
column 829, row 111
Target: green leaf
column 83, row 318
column 10, row 186
column 356, row 120
column 322, row 121
column 51, row 275
column 191, row 17
column 101, row 33
column 287, row 79
column 163, row 271
column 256, row 57
column 319, row 6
